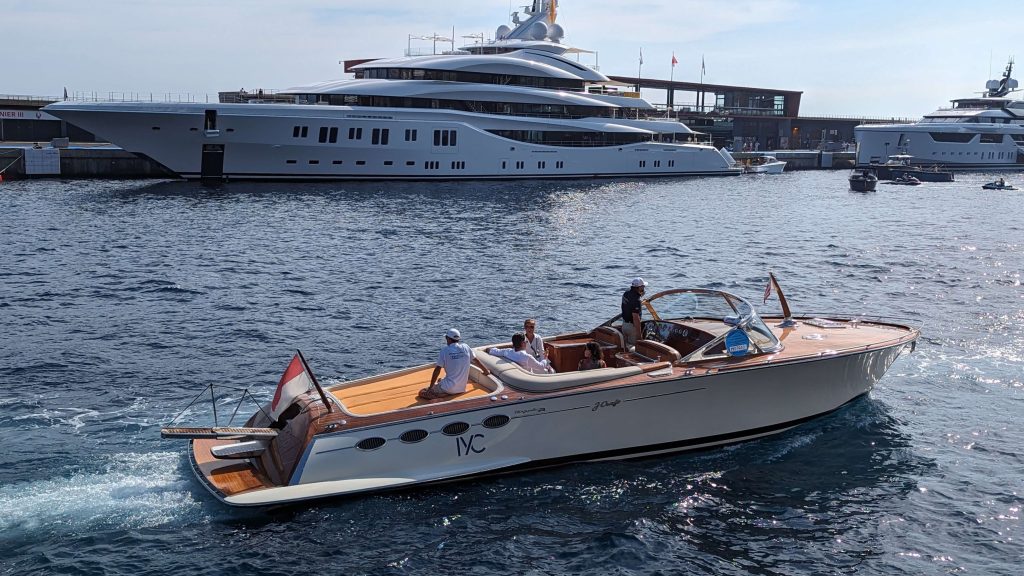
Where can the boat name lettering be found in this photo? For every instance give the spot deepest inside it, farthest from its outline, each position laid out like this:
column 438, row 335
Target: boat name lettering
column 465, row 447
column 605, row 404
column 531, row 411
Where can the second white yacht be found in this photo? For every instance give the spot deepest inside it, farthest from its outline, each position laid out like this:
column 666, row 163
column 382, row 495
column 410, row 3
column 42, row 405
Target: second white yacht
column 515, row 107
column 985, row 132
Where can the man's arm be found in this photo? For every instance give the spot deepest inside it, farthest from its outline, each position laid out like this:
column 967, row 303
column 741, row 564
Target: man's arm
column 433, row 377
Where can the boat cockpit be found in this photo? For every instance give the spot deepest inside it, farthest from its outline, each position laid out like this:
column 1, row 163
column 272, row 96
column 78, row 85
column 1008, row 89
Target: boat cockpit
column 700, row 324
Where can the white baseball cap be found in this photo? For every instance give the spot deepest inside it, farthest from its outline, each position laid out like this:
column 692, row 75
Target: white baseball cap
column 638, row 281
column 453, row 334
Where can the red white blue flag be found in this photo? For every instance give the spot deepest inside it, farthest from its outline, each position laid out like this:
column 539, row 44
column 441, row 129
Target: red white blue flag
column 294, row 381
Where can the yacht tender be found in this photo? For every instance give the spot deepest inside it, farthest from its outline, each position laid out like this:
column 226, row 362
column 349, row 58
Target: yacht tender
column 515, row 107
column 708, row 371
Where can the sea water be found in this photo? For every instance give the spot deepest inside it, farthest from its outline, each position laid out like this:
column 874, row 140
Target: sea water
column 121, row 300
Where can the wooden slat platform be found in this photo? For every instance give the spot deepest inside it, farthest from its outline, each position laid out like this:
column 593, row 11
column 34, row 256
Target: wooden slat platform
column 397, row 393
column 230, row 477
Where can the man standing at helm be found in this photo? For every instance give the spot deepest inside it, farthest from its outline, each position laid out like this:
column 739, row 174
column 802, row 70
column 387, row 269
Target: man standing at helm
column 631, row 310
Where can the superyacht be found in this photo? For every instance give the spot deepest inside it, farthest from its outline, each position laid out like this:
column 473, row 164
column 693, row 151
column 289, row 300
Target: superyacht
column 514, row 107
column 985, row 132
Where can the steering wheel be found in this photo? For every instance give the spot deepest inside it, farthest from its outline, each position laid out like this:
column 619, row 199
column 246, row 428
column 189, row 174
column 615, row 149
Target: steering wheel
column 649, row 331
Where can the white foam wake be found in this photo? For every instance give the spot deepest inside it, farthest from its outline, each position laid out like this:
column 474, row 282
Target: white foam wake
column 134, row 491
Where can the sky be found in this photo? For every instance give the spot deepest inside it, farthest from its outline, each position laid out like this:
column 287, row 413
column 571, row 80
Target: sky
column 870, row 58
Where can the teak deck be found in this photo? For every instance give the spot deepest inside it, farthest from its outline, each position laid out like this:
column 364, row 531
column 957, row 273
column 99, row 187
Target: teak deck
column 396, row 393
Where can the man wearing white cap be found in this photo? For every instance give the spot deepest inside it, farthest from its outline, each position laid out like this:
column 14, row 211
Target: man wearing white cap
column 631, row 310
column 455, row 359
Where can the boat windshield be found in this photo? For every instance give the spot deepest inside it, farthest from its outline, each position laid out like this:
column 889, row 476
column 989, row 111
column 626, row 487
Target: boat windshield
column 732, row 311
column 688, row 303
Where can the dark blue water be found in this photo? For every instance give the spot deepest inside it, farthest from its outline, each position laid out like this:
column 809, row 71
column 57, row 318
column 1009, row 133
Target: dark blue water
column 120, row 300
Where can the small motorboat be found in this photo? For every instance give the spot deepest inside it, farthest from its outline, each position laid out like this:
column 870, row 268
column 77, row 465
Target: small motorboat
column 999, row 185
column 765, row 165
column 905, row 180
column 932, row 174
column 707, row 371
column 863, row 181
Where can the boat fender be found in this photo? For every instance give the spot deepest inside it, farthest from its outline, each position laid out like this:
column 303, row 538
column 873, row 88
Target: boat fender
column 737, row 343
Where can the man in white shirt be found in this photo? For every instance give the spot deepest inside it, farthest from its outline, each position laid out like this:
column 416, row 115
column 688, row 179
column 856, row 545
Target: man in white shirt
column 520, row 356
column 455, row 359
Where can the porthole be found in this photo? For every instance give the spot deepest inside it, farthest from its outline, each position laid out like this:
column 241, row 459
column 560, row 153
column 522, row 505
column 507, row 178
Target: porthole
column 371, row 443
column 455, row 428
column 496, row 421
column 413, row 436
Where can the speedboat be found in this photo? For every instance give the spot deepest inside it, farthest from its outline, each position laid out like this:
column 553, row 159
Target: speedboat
column 985, row 132
column 765, row 165
column 708, row 371
column 905, row 180
column 999, row 185
column 517, row 107
column 863, row 181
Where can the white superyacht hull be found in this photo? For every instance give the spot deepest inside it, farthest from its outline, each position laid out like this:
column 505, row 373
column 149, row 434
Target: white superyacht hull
column 682, row 412
column 283, row 141
column 971, row 146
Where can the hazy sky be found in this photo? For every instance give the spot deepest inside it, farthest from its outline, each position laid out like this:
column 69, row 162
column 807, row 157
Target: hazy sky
column 874, row 58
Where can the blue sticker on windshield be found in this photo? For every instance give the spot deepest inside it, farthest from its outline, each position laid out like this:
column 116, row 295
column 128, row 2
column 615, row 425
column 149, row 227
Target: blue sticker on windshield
column 737, row 343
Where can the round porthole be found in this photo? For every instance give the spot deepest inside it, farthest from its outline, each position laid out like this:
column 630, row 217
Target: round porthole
column 371, row 443
column 455, row 428
column 496, row 421
column 413, row 436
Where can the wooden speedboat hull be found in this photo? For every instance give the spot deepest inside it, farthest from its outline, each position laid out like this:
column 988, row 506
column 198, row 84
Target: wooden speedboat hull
column 666, row 410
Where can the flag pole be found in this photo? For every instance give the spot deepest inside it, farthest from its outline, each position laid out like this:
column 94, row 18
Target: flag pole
column 787, row 320
column 638, row 69
column 701, row 107
column 315, row 382
column 671, row 89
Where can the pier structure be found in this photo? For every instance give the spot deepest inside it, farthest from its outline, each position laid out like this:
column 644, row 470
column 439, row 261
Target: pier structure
column 751, row 119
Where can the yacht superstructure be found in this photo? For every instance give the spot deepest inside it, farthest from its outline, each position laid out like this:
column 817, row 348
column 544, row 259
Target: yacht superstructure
column 985, row 132
column 515, row 107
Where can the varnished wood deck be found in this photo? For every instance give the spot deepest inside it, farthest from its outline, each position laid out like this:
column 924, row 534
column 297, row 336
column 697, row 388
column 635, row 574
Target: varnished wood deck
column 228, row 476
column 397, row 393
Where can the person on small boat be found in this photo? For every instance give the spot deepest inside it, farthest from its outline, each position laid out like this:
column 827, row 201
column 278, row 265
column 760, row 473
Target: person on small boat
column 631, row 310
column 455, row 358
column 522, row 357
column 534, row 342
column 592, row 357
column 1001, row 182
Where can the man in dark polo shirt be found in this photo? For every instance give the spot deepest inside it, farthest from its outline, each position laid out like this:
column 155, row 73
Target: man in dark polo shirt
column 631, row 311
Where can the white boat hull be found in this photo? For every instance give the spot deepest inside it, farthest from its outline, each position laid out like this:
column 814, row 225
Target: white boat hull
column 991, row 146
column 256, row 141
column 667, row 414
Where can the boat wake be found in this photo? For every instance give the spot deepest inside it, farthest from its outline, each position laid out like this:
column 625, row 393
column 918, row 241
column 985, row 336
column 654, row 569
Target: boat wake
column 133, row 491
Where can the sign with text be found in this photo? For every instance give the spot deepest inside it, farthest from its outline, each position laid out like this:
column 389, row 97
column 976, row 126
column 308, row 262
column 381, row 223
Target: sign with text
column 25, row 115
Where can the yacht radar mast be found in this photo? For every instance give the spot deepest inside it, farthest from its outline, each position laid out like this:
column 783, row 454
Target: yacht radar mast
column 1000, row 88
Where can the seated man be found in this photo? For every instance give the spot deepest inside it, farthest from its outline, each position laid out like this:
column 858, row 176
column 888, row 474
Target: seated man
column 520, row 356
column 455, row 359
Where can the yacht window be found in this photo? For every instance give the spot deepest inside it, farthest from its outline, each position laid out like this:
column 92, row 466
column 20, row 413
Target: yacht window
column 305, row 131
column 295, row 131
column 323, row 134
column 991, row 138
column 355, row 133
column 375, row 138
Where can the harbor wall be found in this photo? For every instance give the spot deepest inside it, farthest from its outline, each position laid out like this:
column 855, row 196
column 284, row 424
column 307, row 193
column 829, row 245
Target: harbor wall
column 100, row 162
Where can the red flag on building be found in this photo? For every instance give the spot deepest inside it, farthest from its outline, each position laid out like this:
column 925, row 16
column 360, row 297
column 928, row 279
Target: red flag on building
column 674, row 61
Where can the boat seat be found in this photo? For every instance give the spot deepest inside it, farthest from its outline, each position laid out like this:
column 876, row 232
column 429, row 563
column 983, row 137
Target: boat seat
column 512, row 375
column 657, row 351
column 610, row 336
